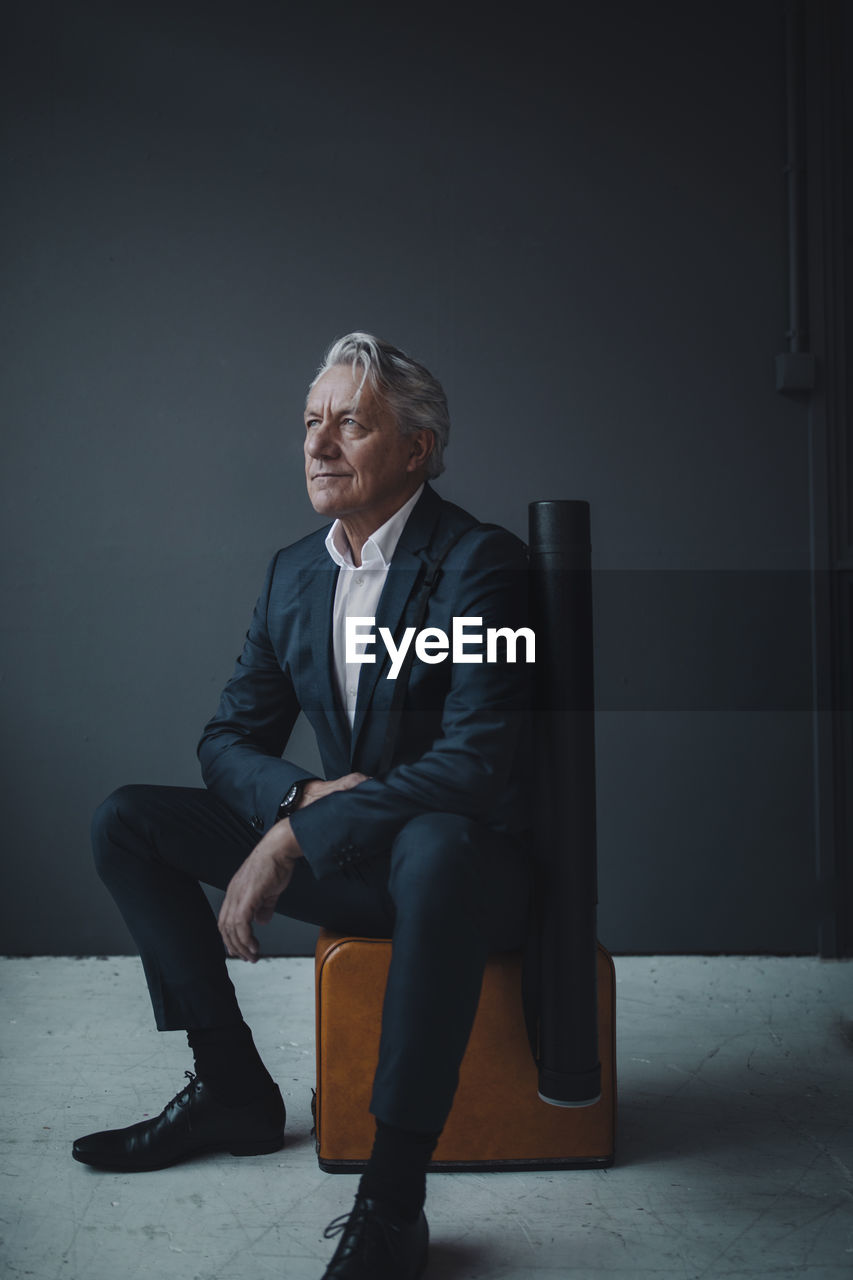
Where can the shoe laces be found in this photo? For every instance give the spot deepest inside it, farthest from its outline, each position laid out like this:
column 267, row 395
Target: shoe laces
column 183, row 1097
column 357, row 1214
column 359, row 1219
column 336, row 1226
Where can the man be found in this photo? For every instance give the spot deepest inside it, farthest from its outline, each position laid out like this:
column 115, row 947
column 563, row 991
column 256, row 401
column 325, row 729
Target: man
column 415, row 834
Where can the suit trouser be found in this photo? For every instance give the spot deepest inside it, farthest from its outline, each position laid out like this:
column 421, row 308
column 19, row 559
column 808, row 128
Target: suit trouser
column 448, row 892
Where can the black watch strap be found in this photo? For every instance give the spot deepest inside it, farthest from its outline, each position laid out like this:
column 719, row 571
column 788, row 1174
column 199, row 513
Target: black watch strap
column 291, row 800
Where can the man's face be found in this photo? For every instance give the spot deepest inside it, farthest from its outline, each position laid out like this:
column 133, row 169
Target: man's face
column 357, row 463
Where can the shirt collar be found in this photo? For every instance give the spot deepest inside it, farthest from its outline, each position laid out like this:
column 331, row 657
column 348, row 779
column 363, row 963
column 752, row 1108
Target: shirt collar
column 379, row 548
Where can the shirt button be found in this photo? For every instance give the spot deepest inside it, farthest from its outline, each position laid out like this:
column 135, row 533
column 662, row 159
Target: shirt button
column 359, row 582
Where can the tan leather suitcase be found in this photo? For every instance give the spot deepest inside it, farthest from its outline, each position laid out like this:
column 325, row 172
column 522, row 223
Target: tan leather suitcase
column 498, row 1120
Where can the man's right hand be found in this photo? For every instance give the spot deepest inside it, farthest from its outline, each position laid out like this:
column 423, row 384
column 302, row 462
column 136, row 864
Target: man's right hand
column 317, row 788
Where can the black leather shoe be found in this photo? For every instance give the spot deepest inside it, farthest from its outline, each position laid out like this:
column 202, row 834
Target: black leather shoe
column 193, row 1122
column 377, row 1244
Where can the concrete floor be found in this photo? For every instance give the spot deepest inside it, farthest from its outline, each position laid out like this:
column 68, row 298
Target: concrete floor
column 735, row 1153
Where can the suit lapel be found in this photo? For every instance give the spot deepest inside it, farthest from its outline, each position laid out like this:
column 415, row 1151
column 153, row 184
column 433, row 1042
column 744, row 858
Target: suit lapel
column 318, row 585
column 403, row 574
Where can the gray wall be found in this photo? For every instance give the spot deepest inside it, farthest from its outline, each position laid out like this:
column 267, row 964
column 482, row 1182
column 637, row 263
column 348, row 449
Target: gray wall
column 582, row 235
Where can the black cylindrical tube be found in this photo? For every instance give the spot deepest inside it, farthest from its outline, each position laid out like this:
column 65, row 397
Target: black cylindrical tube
column 797, row 336
column 561, row 615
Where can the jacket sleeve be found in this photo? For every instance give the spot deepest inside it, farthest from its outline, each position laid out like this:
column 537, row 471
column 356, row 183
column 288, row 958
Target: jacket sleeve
column 241, row 747
column 473, row 765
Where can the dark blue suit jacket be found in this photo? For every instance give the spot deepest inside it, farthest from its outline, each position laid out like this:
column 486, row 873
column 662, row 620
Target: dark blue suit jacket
column 463, row 743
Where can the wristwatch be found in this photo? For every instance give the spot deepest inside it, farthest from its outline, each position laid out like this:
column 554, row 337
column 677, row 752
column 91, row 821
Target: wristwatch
column 291, row 800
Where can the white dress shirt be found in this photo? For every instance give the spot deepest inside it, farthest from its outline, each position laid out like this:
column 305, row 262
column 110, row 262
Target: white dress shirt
column 358, row 590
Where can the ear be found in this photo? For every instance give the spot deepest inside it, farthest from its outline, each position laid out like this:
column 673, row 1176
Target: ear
column 421, row 444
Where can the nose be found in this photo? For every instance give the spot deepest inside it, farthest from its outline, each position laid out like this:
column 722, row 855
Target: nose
column 320, row 441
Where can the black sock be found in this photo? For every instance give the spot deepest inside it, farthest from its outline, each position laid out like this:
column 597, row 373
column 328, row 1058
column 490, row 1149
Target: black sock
column 396, row 1171
column 226, row 1059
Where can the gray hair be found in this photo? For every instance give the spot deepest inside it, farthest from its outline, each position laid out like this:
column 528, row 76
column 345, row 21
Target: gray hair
column 413, row 395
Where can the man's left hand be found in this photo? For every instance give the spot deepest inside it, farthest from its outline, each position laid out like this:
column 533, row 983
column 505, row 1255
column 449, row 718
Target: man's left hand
column 254, row 890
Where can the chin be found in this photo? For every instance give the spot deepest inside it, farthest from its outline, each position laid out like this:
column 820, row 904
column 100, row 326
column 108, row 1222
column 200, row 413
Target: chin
column 324, row 503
